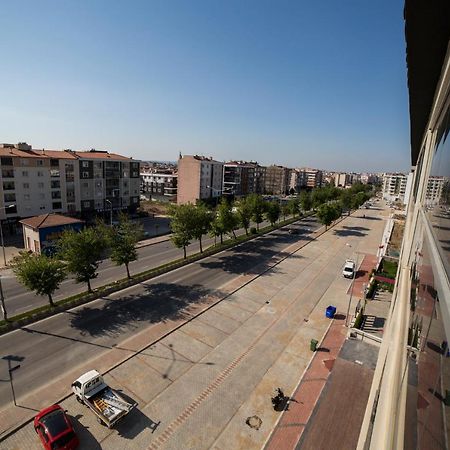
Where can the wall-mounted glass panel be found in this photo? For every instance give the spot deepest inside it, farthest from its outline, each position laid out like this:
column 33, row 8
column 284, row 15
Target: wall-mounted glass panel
column 437, row 200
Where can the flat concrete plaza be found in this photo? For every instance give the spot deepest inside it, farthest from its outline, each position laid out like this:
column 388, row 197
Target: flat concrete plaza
column 198, row 386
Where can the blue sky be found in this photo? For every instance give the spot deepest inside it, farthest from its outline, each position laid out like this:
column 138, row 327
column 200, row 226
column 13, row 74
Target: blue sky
column 297, row 83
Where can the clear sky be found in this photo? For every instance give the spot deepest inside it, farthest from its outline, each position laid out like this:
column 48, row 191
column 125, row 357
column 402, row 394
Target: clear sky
column 297, row 83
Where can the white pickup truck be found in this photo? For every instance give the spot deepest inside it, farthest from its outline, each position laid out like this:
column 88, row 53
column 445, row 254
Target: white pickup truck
column 349, row 268
column 106, row 403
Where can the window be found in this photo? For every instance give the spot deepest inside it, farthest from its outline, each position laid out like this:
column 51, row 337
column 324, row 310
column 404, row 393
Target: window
column 56, row 194
column 42, row 207
column 98, row 165
column 6, row 161
column 8, row 173
column 85, row 174
column 54, row 173
column 85, row 164
column 11, row 210
column 85, row 185
column 40, row 174
column 24, row 173
column 57, row 205
column 41, row 185
column 87, row 204
column 24, row 162
column 8, row 186
column 98, row 184
column 26, row 185
column 40, row 162
column 54, row 162
column 10, row 197
column 55, row 184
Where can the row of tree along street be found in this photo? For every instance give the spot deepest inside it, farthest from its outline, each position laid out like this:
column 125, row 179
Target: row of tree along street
column 194, row 221
column 80, row 253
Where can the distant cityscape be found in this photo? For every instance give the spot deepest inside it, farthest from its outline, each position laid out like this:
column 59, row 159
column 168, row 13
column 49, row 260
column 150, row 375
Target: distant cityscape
column 88, row 183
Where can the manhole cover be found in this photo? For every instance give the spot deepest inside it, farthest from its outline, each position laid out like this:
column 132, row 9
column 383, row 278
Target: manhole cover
column 254, row 422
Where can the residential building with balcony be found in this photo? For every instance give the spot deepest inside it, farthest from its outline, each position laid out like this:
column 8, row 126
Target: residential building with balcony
column 64, row 181
column 199, row 178
column 159, row 184
column 277, row 180
column 394, row 186
column 241, row 178
column 343, row 180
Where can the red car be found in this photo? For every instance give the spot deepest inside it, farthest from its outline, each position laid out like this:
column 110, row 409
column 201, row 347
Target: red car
column 55, row 430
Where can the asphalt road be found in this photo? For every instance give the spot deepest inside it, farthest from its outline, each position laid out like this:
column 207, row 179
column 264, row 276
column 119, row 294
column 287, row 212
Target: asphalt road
column 19, row 300
column 57, row 344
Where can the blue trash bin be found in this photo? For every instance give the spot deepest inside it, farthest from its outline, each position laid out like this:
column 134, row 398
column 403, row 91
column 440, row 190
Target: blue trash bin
column 330, row 311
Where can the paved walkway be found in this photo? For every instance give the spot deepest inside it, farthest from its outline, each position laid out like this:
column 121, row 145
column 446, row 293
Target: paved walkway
column 199, row 382
column 301, row 405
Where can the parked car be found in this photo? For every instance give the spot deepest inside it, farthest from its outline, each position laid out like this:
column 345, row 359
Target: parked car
column 349, row 269
column 293, row 231
column 54, row 429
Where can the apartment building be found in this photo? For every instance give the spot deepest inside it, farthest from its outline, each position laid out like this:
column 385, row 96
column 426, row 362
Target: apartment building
column 241, row 178
column 343, row 180
column 277, row 180
column 305, row 178
column 159, row 184
column 394, row 186
column 435, row 189
column 82, row 184
column 199, row 178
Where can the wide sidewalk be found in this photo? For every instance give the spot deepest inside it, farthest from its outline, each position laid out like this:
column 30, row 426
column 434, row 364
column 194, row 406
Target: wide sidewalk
column 198, row 385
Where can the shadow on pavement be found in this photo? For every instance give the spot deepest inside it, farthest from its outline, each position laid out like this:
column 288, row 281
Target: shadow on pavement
column 349, row 232
column 87, row 440
column 160, row 302
column 135, row 422
column 369, row 218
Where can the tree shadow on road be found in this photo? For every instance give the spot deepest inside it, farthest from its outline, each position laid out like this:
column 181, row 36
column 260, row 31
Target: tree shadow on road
column 247, row 262
column 159, row 302
column 350, row 231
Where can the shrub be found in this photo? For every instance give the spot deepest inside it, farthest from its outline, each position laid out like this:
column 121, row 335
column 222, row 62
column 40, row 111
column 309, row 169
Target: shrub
column 252, row 230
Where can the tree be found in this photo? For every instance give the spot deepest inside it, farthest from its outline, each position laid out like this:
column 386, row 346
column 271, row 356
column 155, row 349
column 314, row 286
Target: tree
column 39, row 273
column 257, row 206
column 243, row 213
column 181, row 224
column 82, row 252
column 327, row 213
column 201, row 222
column 122, row 240
column 225, row 220
column 273, row 212
column 346, row 200
column 294, row 206
column 305, row 201
column 285, row 210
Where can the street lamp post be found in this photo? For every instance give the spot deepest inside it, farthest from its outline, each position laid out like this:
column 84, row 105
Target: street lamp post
column 1, row 234
column 347, row 323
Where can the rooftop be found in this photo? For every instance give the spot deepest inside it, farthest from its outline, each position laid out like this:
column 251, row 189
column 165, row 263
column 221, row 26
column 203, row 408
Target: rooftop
column 48, row 220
